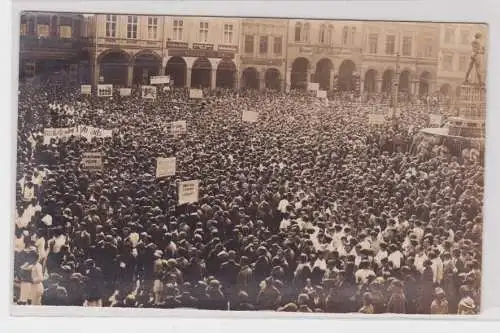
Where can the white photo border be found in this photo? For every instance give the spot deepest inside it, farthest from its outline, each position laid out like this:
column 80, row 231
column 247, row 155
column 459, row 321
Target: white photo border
column 479, row 11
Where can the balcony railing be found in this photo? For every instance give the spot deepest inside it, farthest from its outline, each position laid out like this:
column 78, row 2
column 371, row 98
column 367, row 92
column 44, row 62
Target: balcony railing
column 32, row 43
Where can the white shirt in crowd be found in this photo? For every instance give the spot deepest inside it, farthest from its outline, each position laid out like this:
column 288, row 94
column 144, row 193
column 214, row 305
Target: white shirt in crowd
column 396, row 257
column 437, row 270
column 282, row 205
column 363, row 274
column 419, row 261
column 380, row 255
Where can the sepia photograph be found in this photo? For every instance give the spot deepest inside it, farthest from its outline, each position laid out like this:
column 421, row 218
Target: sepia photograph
column 249, row 164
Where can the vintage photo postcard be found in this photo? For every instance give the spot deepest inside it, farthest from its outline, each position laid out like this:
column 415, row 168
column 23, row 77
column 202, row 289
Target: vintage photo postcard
column 249, row 164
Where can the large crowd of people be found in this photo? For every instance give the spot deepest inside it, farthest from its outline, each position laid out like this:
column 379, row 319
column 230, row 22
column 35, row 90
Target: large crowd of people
column 309, row 209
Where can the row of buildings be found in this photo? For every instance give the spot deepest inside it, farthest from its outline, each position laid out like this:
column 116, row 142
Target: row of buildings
column 249, row 52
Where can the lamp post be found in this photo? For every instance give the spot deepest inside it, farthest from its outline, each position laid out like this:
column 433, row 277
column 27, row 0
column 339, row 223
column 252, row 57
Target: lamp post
column 395, row 92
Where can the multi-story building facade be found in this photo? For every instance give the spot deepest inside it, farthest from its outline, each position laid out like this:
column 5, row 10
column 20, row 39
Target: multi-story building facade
column 454, row 54
column 402, row 53
column 194, row 51
column 262, row 53
column 324, row 52
column 202, row 51
column 213, row 52
column 50, row 41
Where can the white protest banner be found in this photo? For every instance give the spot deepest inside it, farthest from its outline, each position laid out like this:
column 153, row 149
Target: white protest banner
column 250, row 116
column 86, row 89
column 436, row 119
column 161, row 79
column 165, row 167
column 314, row 86
column 195, row 93
column 178, row 127
column 58, row 133
column 148, row 92
column 90, row 132
column 321, row 93
column 376, row 119
column 105, row 90
column 189, row 191
column 125, row 91
column 92, row 161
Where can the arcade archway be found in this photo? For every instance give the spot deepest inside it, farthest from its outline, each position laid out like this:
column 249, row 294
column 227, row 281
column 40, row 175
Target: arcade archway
column 114, row 67
column 176, row 69
column 201, row 73
column 346, row 80
column 323, row 72
column 300, row 68
column 226, row 74
column 404, row 82
column 145, row 66
column 250, row 78
column 370, row 81
column 424, row 83
column 387, row 79
column 273, row 79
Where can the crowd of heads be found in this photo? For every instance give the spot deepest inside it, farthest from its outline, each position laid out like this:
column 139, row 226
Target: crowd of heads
column 310, row 209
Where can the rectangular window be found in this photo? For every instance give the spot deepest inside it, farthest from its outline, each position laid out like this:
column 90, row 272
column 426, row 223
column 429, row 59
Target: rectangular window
column 203, row 32
column 449, row 36
column 178, row 29
column 322, row 35
column 462, row 63
column 110, row 25
column 407, row 46
column 278, row 45
column 390, row 44
column 43, row 30
column 298, row 32
column 132, row 27
column 353, row 36
column 65, row 31
column 373, row 43
column 447, row 62
column 152, row 28
column 428, row 51
column 263, row 45
column 228, row 34
column 249, row 44
column 464, row 37
column 345, row 35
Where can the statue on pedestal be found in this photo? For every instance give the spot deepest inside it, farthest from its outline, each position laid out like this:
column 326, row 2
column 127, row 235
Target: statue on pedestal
column 476, row 60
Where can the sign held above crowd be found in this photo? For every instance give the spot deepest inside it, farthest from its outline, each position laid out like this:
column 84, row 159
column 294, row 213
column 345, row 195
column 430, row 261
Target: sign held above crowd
column 250, row 116
column 195, row 93
column 178, row 127
column 125, row 91
column 165, row 166
column 148, row 92
column 189, row 192
column 92, row 161
column 321, row 93
column 86, row 89
column 161, row 79
column 104, row 90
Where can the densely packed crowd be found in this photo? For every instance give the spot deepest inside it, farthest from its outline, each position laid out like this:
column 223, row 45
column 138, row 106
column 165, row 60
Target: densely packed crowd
column 310, row 209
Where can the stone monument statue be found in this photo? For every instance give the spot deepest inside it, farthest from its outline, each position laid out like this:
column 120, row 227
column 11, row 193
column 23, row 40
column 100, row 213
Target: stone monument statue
column 476, row 60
